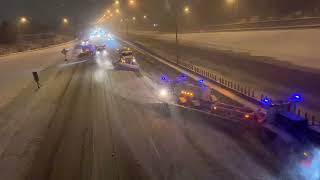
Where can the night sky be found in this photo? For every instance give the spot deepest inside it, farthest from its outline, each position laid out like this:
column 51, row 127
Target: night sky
column 207, row 11
column 51, row 10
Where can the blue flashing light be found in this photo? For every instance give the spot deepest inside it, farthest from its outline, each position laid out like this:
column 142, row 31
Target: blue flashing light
column 201, row 81
column 296, row 97
column 164, row 78
column 181, row 78
column 266, row 101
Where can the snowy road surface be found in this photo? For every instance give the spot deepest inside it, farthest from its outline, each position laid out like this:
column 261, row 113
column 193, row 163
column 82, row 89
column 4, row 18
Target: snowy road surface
column 91, row 121
column 15, row 70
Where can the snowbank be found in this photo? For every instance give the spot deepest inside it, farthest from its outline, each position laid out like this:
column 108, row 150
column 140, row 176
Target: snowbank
column 299, row 47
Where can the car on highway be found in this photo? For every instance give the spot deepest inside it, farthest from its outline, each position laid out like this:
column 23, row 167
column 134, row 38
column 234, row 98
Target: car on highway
column 101, row 50
column 87, row 50
column 85, row 42
column 126, row 60
column 100, row 47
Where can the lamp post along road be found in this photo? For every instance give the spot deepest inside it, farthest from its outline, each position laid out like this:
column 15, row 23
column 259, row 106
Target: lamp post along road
column 176, row 9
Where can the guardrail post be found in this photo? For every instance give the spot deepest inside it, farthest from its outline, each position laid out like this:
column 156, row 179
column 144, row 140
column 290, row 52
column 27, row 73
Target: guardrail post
column 313, row 119
column 306, row 115
column 294, row 107
column 253, row 94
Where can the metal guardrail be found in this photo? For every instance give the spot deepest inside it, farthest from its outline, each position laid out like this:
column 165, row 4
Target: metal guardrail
column 249, row 92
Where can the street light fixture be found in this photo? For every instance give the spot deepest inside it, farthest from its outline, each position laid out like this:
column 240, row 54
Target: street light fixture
column 134, row 18
column 231, row 1
column 186, row 9
column 131, row 2
column 117, row 11
column 234, row 4
column 145, row 17
column 23, row 20
column 108, row 11
column 117, row 2
column 65, row 20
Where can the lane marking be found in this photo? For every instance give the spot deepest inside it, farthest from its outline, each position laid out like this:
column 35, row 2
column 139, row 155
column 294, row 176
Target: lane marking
column 154, row 147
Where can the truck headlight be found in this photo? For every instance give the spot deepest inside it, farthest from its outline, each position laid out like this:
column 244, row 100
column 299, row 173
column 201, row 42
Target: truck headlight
column 163, row 92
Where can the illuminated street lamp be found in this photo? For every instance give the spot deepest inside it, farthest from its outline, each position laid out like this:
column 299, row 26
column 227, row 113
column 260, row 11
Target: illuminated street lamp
column 108, row 11
column 186, row 9
column 145, row 17
column 23, row 20
column 230, row 1
column 117, row 2
column 132, row 2
column 117, row 11
column 234, row 4
column 65, row 21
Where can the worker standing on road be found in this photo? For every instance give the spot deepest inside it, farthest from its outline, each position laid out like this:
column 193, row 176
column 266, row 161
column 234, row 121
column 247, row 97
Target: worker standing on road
column 65, row 52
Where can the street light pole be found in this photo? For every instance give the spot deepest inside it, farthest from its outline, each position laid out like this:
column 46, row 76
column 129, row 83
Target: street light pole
column 177, row 31
column 234, row 7
column 126, row 19
column 126, row 16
